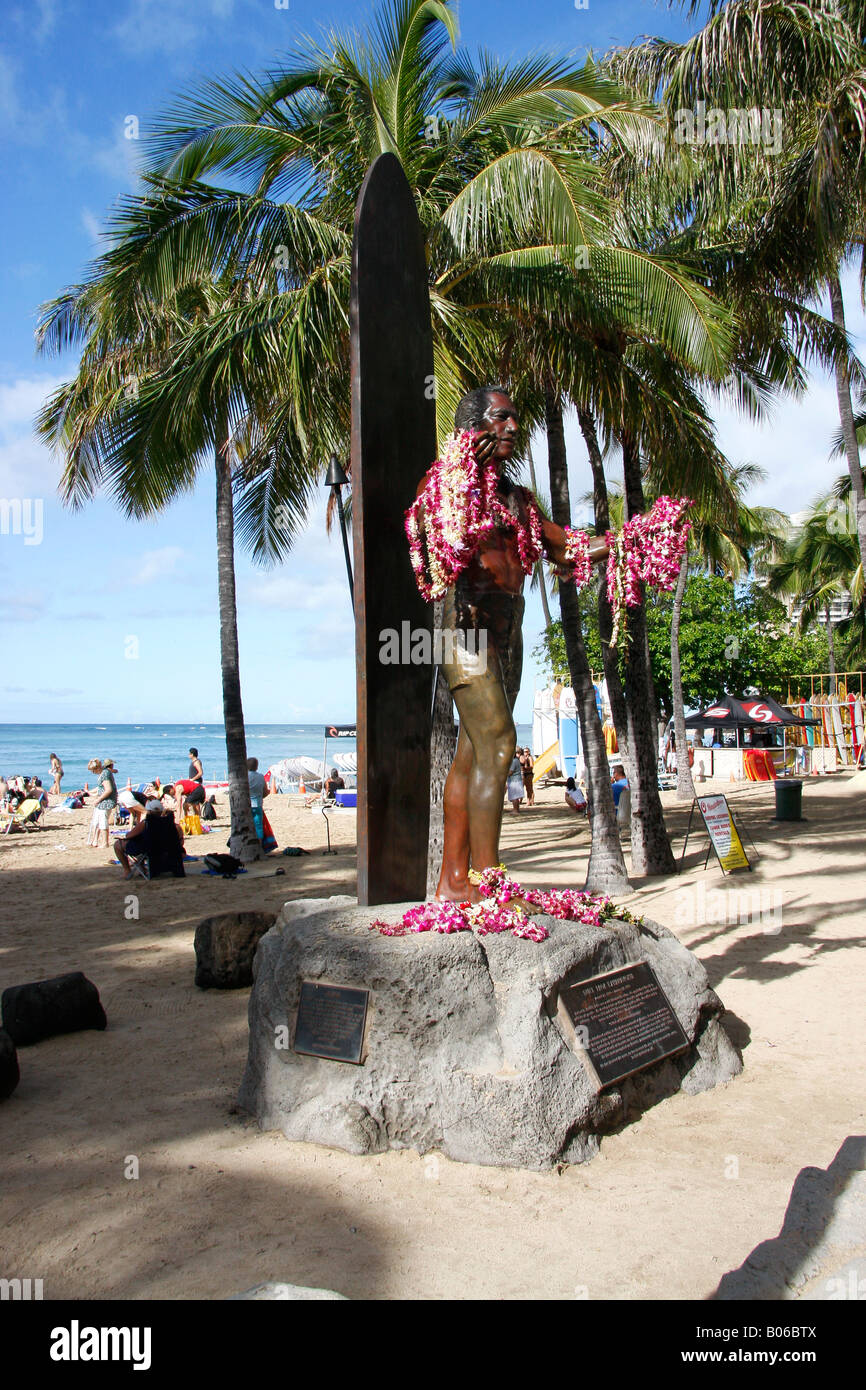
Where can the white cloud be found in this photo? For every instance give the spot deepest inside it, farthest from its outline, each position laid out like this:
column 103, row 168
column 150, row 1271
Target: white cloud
column 91, row 224
column 23, row 607
column 21, row 399
column 27, row 467
column 47, row 19
column 28, row 122
column 298, row 593
column 168, row 25
column 40, row 25
column 158, row 564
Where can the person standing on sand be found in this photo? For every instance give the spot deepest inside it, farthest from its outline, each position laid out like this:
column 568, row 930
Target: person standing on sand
column 514, row 789
column 56, row 769
column 196, row 771
column 106, row 801
column 527, row 763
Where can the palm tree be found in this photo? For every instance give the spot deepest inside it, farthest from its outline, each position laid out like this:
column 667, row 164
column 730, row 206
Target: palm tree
column 796, row 213
column 606, row 872
column 816, row 568
column 507, row 189
column 720, row 547
column 121, row 423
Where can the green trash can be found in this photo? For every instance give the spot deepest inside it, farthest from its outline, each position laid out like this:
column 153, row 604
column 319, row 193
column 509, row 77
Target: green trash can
column 789, row 799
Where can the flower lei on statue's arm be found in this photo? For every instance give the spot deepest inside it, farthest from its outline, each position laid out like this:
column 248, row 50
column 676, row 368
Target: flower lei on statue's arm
column 459, row 504
column 648, row 550
column 498, row 913
column 577, row 556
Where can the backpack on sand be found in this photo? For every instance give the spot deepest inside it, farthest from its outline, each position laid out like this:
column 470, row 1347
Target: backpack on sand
column 224, row 864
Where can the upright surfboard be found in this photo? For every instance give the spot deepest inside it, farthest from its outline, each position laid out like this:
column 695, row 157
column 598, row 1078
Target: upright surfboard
column 393, row 445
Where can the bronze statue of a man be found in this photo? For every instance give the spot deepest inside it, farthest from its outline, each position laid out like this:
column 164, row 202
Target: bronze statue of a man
column 484, row 681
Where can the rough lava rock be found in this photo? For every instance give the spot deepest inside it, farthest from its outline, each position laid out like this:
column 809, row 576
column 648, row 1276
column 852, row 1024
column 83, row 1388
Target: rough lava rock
column 282, row 1293
column 63, row 1004
column 463, row 1053
column 9, row 1073
column 225, row 946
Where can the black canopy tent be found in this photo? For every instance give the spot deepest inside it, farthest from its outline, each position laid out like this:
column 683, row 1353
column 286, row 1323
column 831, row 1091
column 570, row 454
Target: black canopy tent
column 746, row 713
column 761, row 712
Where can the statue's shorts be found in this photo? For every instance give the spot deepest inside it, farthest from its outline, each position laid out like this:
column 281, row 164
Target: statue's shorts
column 486, row 641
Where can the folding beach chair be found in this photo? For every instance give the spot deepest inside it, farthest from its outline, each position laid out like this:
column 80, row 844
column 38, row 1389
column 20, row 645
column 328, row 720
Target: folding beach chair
column 27, row 816
column 667, row 780
column 164, row 852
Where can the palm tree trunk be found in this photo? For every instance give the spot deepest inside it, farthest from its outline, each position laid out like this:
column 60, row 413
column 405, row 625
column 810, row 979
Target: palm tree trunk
column 650, row 847
column 606, row 872
column 610, row 659
column 442, row 744
column 243, row 841
column 846, row 416
column 685, row 785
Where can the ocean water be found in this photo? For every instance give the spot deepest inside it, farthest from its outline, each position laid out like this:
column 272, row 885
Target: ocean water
column 143, row 751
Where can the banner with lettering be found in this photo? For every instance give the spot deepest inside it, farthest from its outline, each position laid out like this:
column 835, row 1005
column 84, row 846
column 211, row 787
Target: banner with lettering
column 723, row 833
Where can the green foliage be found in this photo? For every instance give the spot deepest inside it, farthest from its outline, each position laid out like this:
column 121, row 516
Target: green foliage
column 549, row 651
column 733, row 638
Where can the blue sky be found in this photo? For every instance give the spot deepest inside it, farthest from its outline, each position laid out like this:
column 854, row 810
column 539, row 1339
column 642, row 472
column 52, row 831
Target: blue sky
column 111, row 621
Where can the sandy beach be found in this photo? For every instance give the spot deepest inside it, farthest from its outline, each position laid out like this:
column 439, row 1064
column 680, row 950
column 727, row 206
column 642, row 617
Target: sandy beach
column 670, row 1205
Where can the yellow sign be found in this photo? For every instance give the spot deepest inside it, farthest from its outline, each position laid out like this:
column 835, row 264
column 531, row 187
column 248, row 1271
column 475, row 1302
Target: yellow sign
column 723, row 833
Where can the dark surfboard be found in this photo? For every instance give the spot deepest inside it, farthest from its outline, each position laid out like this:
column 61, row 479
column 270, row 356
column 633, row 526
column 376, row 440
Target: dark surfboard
column 393, row 445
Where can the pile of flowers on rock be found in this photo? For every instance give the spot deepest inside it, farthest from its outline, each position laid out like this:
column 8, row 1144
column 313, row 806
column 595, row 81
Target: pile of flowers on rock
column 501, row 910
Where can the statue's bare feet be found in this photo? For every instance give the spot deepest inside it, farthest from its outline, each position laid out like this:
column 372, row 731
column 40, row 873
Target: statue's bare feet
column 457, row 893
column 531, row 909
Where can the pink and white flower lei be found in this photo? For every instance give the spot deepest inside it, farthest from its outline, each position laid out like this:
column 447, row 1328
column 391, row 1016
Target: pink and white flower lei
column 577, row 555
column 496, row 914
column 648, row 550
column 459, row 505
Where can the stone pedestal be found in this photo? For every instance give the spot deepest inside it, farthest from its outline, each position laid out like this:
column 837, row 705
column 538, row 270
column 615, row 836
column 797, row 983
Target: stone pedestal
column 464, row 1052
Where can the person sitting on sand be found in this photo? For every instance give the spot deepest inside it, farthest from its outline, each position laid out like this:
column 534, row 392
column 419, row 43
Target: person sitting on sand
column 619, row 783
column 333, row 784
column 156, row 836
column 574, row 798
column 36, row 792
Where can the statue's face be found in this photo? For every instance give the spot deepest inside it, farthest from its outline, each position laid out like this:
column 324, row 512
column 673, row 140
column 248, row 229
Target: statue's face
column 500, row 420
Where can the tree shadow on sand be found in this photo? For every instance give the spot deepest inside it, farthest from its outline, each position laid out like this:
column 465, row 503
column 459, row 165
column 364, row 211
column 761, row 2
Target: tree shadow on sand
column 822, row 1228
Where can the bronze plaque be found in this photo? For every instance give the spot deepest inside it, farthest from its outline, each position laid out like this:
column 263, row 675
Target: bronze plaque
column 331, row 1021
column 620, row 1022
